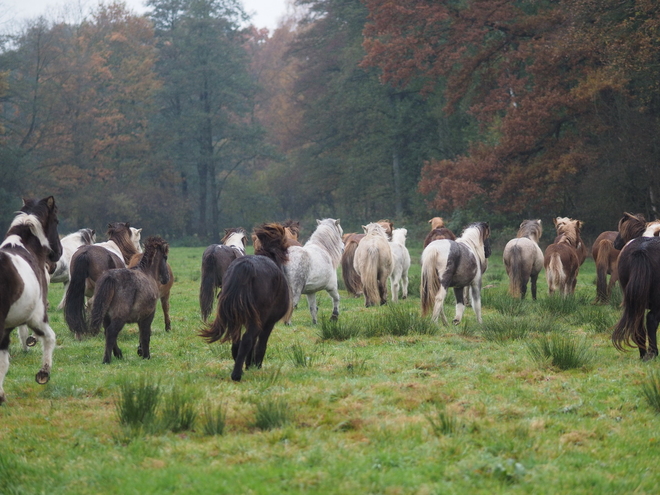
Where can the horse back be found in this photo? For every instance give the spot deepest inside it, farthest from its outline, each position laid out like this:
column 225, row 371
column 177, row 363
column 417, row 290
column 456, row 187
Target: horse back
column 23, row 289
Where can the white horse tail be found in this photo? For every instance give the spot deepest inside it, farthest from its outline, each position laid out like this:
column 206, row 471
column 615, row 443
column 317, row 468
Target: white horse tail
column 369, row 276
column 554, row 274
column 430, row 284
column 103, row 295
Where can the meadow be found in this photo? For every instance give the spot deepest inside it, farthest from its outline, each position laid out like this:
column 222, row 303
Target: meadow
column 383, row 402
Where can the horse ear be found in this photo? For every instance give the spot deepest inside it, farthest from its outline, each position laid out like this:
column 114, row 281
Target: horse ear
column 128, row 225
column 364, row 228
column 318, row 222
column 139, row 230
column 554, row 220
column 337, row 222
column 50, row 202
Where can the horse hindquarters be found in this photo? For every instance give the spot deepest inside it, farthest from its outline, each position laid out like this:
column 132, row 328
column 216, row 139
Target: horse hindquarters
column 210, row 281
column 74, row 308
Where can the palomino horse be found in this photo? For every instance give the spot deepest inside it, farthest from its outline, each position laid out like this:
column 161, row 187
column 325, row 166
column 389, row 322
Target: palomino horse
column 639, row 276
column 349, row 275
column 31, row 244
column 373, row 263
column 215, row 261
column 523, row 258
column 255, row 295
column 88, row 263
column 400, row 264
column 458, row 264
column 313, row 267
column 563, row 258
column 129, row 295
column 606, row 258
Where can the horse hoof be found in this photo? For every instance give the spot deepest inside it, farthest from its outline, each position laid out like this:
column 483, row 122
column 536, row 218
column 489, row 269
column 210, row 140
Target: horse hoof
column 649, row 356
column 334, row 317
column 236, row 378
column 3, row 399
column 42, row 377
column 456, row 322
column 31, row 341
column 139, row 351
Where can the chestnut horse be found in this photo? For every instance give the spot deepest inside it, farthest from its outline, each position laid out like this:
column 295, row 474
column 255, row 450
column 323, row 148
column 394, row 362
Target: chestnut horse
column 564, row 256
column 606, row 257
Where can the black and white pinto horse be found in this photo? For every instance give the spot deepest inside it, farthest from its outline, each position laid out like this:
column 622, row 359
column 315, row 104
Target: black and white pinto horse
column 30, row 246
column 215, row 261
column 456, row 264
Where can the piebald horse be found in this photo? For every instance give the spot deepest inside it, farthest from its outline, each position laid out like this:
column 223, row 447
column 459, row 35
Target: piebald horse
column 30, row 246
column 457, row 264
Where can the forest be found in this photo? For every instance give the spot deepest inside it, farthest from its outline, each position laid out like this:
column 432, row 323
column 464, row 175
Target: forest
column 185, row 122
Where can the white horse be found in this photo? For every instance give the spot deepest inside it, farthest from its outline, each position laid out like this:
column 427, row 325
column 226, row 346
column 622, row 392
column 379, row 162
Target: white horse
column 458, row 264
column 313, row 267
column 70, row 244
column 400, row 265
column 373, row 263
column 523, row 258
column 31, row 244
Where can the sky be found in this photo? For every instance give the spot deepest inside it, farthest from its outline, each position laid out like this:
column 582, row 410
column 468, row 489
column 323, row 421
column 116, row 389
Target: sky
column 267, row 13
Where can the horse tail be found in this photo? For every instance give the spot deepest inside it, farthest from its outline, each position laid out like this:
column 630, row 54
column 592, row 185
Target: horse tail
column 635, row 301
column 236, row 306
column 369, row 276
column 515, row 269
column 605, row 248
column 554, row 273
column 103, row 295
column 74, row 308
column 211, row 279
column 430, row 283
column 352, row 280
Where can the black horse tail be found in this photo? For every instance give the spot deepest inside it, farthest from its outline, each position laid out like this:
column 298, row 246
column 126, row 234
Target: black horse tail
column 631, row 326
column 103, row 295
column 605, row 248
column 352, row 280
column 211, row 280
column 236, row 305
column 74, row 308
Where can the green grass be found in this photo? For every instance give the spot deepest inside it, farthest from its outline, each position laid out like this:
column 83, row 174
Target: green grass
column 392, row 405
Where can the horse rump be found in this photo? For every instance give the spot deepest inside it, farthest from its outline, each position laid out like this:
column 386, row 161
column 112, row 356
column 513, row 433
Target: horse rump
column 74, row 308
column 211, row 281
column 605, row 249
column 352, row 280
column 515, row 265
column 103, row 295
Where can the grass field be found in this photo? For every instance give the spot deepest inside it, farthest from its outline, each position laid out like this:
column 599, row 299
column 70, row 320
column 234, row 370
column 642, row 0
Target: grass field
column 392, row 408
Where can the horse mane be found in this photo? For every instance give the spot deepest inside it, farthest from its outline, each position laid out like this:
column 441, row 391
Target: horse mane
column 375, row 228
column 154, row 244
column 632, row 226
column 476, row 235
column 437, row 223
column 30, row 221
column 387, row 226
column 273, row 242
column 293, row 226
column 531, row 229
column 87, row 235
column 325, row 236
column 570, row 229
column 120, row 234
column 235, row 230
column 399, row 236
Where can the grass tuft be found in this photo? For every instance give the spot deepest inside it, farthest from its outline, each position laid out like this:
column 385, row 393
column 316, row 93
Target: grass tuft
column 271, row 413
column 338, row 329
column 442, row 423
column 137, row 403
column 651, row 390
column 299, row 357
column 214, row 420
column 178, row 412
column 563, row 351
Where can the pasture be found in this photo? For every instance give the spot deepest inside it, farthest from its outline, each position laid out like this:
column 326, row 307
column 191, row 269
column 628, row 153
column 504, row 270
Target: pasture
column 385, row 403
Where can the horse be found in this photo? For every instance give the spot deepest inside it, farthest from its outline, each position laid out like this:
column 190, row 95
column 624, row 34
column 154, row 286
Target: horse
column 606, row 258
column 632, row 226
column 215, row 261
column 373, row 263
column 439, row 233
column 163, row 289
column 457, row 264
column 88, row 263
column 437, row 223
column 129, row 295
column 523, row 258
column 562, row 258
column 313, row 267
column 70, row 244
column 351, row 279
column 400, row 264
column 31, row 244
column 255, row 295
column 292, row 231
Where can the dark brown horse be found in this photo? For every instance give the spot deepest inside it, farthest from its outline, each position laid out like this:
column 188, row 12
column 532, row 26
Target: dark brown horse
column 255, row 295
column 88, row 263
column 606, row 258
column 639, row 276
column 439, row 233
column 31, row 245
column 215, row 261
column 163, row 289
column 129, row 295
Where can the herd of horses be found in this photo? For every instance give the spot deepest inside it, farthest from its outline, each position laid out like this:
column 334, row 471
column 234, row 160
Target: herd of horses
column 112, row 283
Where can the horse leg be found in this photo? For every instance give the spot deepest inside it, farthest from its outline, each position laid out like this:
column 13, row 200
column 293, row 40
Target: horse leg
column 262, row 343
column 246, row 346
column 145, row 336
column 63, row 301
column 111, row 332
column 4, row 358
column 652, row 321
column 438, row 307
column 460, row 305
column 47, row 336
column 234, row 349
column 404, row 286
column 382, row 290
column 394, row 287
column 475, row 290
column 295, row 297
column 23, row 334
column 313, row 308
column 165, row 304
column 334, row 294
column 533, row 280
